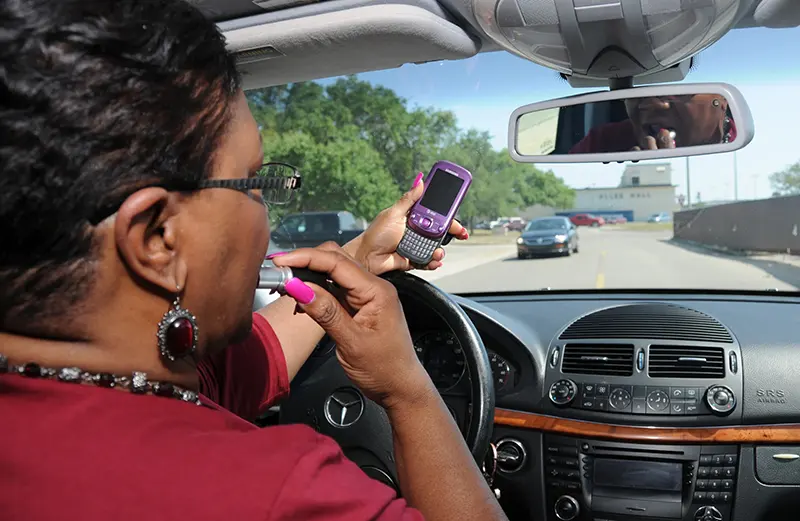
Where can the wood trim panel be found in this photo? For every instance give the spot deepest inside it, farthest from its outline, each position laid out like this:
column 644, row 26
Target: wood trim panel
column 788, row 433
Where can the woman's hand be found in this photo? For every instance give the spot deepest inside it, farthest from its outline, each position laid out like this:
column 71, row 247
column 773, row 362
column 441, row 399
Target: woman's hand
column 376, row 247
column 373, row 345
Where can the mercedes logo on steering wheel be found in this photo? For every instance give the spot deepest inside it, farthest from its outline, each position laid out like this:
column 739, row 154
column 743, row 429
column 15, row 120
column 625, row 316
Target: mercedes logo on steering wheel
column 344, row 407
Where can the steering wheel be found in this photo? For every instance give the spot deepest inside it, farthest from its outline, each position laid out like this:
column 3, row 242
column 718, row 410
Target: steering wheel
column 323, row 397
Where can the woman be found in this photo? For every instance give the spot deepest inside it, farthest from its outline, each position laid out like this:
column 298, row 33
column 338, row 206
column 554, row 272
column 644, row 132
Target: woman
column 133, row 228
column 663, row 122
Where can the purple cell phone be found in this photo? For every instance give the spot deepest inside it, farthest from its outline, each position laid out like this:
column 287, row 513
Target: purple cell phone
column 430, row 218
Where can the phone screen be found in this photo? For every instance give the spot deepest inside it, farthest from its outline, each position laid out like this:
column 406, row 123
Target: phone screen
column 441, row 192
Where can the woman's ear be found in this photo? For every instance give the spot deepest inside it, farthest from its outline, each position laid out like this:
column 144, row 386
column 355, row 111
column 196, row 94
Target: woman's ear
column 147, row 236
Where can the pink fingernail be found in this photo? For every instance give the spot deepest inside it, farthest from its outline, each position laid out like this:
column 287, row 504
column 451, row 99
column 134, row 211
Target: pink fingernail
column 276, row 254
column 299, row 290
column 417, row 180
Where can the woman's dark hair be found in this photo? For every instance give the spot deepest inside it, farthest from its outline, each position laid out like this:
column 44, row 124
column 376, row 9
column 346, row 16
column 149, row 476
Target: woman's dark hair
column 97, row 99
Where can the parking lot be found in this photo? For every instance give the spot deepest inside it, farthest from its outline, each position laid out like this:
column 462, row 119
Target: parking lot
column 613, row 258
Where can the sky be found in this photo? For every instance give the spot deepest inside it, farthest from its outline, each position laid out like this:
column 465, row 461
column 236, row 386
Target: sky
column 483, row 91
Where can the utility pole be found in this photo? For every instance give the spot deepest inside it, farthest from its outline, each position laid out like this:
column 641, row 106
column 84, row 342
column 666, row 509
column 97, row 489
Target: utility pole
column 688, row 186
column 735, row 178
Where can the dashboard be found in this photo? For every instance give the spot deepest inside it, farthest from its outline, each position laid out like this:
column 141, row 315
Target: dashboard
column 625, row 406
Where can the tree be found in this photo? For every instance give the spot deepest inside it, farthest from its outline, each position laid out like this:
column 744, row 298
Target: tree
column 787, row 181
column 358, row 146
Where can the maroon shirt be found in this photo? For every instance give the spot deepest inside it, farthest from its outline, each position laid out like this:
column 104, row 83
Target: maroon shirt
column 77, row 452
column 612, row 137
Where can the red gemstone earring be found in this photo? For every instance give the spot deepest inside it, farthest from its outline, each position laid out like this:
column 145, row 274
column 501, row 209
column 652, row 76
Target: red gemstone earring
column 177, row 332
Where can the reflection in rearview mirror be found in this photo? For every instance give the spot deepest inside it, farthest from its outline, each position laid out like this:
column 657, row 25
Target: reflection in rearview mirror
column 633, row 124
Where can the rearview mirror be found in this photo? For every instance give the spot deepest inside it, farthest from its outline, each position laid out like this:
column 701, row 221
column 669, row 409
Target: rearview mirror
column 641, row 123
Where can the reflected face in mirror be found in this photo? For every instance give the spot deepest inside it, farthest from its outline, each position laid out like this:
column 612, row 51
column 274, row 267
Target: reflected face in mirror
column 679, row 121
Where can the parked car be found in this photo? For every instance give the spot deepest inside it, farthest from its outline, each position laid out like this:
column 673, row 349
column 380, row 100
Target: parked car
column 516, row 224
column 310, row 229
column 587, row 219
column 662, row 217
column 615, row 219
column 548, row 235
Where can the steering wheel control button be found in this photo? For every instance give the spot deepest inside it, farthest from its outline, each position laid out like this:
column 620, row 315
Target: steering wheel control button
column 720, row 399
column 566, row 508
column 563, row 392
column 620, row 400
column 657, row 401
column 511, row 455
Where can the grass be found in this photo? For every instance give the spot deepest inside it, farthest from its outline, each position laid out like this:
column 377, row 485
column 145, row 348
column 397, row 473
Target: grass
column 482, row 237
column 643, row 227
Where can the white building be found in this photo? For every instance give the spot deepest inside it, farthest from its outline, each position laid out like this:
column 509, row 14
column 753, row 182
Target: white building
column 643, row 190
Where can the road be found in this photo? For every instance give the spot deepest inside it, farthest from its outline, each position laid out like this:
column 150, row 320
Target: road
column 613, row 259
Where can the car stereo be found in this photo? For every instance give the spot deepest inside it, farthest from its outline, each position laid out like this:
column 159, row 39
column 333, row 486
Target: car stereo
column 597, row 480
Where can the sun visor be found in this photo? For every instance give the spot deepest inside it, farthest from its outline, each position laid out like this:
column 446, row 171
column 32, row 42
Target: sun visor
column 607, row 38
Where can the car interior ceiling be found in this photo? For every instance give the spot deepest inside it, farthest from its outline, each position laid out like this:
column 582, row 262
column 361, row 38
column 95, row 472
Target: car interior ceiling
column 701, row 422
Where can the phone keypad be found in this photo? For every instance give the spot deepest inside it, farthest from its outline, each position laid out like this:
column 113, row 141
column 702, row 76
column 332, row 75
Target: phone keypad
column 416, row 247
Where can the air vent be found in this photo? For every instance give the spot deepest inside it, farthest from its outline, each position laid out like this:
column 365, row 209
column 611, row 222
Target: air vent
column 599, row 359
column 256, row 54
column 686, row 362
column 648, row 321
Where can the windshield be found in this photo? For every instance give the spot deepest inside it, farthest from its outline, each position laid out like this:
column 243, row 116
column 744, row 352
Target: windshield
column 546, row 224
column 706, row 222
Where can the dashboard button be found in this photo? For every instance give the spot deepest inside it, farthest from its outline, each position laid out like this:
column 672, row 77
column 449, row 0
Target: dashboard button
column 570, row 463
column 620, row 400
column 730, row 459
column 552, row 461
column 699, row 496
column 573, row 486
column 657, row 400
column 552, row 449
column 563, row 392
column 639, row 406
column 589, row 389
column 725, row 497
column 702, row 484
column 729, row 472
column 727, row 484
column 555, row 356
column 733, row 362
column 555, row 483
column 587, row 403
column 677, row 393
column 713, row 497
column 569, row 451
column 602, row 390
column 705, row 459
column 716, row 472
column 703, row 472
column 718, row 459
column 554, row 473
column 691, row 409
column 693, row 393
column 640, row 359
column 714, row 484
column 639, row 391
column 601, row 403
column 676, row 408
